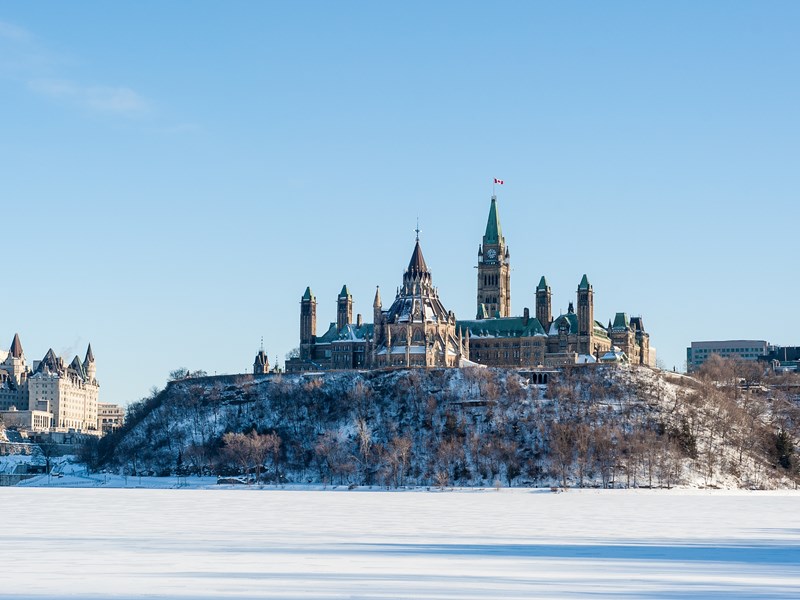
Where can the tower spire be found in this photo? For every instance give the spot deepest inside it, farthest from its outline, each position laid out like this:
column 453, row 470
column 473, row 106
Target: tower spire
column 16, row 347
column 417, row 263
column 377, row 302
column 494, row 233
column 494, row 277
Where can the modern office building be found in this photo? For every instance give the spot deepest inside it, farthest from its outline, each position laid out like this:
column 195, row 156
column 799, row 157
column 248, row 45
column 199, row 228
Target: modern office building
column 699, row 352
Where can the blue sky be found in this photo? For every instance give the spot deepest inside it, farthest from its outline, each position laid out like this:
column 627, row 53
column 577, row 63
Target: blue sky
column 175, row 173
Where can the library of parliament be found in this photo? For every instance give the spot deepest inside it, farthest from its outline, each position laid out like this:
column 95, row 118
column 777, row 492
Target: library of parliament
column 418, row 331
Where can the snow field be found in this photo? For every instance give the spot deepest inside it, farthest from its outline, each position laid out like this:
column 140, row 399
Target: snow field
column 243, row 543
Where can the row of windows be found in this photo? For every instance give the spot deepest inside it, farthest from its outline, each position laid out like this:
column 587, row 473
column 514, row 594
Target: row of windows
column 727, row 350
column 497, row 355
column 479, row 345
column 490, row 279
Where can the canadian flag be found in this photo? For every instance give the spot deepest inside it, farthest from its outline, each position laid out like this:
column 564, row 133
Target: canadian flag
column 500, row 181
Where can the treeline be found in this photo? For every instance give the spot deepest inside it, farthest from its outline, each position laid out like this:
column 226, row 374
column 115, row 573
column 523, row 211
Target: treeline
column 587, row 427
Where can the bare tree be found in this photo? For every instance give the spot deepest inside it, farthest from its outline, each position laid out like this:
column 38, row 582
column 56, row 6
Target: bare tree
column 333, row 456
column 364, row 437
column 605, row 453
column 250, row 450
column 562, row 449
column 398, row 456
column 583, row 450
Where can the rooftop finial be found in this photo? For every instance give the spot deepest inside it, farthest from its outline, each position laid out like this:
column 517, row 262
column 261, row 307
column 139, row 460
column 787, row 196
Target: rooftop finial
column 417, row 229
column 262, row 343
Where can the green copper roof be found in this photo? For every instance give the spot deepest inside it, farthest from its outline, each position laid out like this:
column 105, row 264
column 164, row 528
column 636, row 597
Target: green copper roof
column 354, row 333
column 503, row 327
column 329, row 336
column 621, row 322
column 351, row 333
column 584, row 284
column 308, row 295
column 570, row 318
column 600, row 330
column 542, row 284
column 493, row 233
column 345, row 292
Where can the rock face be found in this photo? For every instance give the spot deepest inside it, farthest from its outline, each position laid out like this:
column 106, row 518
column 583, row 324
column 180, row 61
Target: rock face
column 590, row 426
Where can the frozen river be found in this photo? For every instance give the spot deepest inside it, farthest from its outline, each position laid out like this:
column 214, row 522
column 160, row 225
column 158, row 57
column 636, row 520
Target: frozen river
column 237, row 543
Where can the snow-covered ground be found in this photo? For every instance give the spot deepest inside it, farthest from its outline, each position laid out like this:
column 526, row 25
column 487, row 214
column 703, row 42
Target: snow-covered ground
column 60, row 542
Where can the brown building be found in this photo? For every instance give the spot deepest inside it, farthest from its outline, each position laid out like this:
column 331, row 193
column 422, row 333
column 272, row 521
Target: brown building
column 498, row 339
column 417, row 331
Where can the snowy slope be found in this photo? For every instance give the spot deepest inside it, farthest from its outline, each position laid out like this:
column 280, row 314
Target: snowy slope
column 621, row 427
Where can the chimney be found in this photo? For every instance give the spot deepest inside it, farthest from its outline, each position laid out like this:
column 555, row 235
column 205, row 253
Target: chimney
column 526, row 316
column 359, row 320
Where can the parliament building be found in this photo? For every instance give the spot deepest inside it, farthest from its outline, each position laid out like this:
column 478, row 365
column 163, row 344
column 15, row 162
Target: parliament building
column 418, row 331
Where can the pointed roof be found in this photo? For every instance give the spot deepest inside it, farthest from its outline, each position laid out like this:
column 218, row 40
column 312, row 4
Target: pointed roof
column 482, row 312
column 502, row 327
column 345, row 292
column 542, row 284
column 16, row 347
column 568, row 321
column 584, row 284
column 637, row 324
column 417, row 262
column 308, row 295
column 89, row 355
column 493, row 233
column 76, row 366
column 621, row 322
column 377, row 301
column 50, row 363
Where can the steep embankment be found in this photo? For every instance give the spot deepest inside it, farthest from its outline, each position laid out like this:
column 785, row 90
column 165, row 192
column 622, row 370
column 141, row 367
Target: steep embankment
column 588, row 426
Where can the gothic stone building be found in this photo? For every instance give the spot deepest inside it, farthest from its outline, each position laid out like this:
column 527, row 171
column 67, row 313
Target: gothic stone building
column 499, row 339
column 417, row 331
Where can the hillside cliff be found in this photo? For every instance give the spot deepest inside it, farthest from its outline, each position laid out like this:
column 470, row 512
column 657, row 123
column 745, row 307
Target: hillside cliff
column 600, row 426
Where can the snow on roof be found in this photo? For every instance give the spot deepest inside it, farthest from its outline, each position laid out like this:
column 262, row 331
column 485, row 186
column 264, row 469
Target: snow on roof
column 468, row 363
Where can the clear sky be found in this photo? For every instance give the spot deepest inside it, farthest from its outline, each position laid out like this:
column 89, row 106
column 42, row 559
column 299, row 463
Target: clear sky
column 174, row 174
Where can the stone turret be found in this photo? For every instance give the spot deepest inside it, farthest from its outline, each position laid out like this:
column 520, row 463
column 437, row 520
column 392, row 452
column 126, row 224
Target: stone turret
column 376, row 307
column 344, row 309
column 89, row 366
column 261, row 363
column 308, row 323
column 585, row 315
column 544, row 303
column 15, row 364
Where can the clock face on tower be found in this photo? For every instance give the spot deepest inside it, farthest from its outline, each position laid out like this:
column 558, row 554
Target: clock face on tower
column 491, row 254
